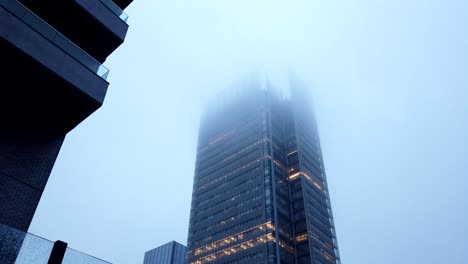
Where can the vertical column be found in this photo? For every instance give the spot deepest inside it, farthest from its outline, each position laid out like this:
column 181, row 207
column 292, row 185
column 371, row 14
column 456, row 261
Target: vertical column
column 25, row 165
column 58, row 252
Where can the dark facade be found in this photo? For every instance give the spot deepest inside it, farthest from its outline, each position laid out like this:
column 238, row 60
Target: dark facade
column 260, row 193
column 52, row 78
column 170, row 253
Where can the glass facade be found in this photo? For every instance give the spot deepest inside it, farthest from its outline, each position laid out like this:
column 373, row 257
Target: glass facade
column 260, row 193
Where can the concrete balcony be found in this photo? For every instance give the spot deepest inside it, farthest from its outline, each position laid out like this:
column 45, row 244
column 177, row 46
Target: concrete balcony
column 49, row 85
column 96, row 26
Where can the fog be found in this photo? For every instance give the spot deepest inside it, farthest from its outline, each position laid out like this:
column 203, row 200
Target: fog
column 390, row 87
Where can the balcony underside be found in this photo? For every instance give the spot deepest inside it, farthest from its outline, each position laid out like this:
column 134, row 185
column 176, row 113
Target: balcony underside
column 48, row 85
column 88, row 23
column 123, row 3
column 33, row 99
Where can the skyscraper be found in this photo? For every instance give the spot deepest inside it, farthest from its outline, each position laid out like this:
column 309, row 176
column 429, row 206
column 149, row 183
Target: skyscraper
column 170, row 253
column 260, row 193
column 52, row 78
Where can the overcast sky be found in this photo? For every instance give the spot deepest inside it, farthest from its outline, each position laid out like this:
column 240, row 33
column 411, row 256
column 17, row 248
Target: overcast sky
column 390, row 86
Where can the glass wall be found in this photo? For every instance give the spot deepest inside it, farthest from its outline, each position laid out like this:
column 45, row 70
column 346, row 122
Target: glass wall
column 18, row 247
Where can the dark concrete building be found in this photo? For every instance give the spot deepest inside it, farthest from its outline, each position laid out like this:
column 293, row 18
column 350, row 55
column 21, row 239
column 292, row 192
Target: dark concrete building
column 170, row 253
column 260, row 192
column 52, row 78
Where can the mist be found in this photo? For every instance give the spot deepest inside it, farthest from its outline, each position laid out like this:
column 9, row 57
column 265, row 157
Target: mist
column 389, row 84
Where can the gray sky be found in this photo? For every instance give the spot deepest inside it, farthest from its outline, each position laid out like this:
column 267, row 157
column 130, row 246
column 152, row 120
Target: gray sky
column 390, row 86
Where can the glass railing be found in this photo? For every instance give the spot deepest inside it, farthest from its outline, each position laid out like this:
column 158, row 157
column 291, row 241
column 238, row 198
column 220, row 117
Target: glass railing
column 18, row 247
column 48, row 32
column 34, row 249
column 75, row 257
column 115, row 9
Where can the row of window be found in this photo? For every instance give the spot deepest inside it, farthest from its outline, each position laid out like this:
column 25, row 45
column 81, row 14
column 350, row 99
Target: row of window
column 319, row 252
column 248, row 259
column 245, row 132
column 241, row 141
column 226, row 204
column 226, row 165
column 242, row 236
column 239, row 205
column 236, row 249
column 230, row 183
column 247, row 224
column 208, row 186
column 243, row 136
column 238, row 182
